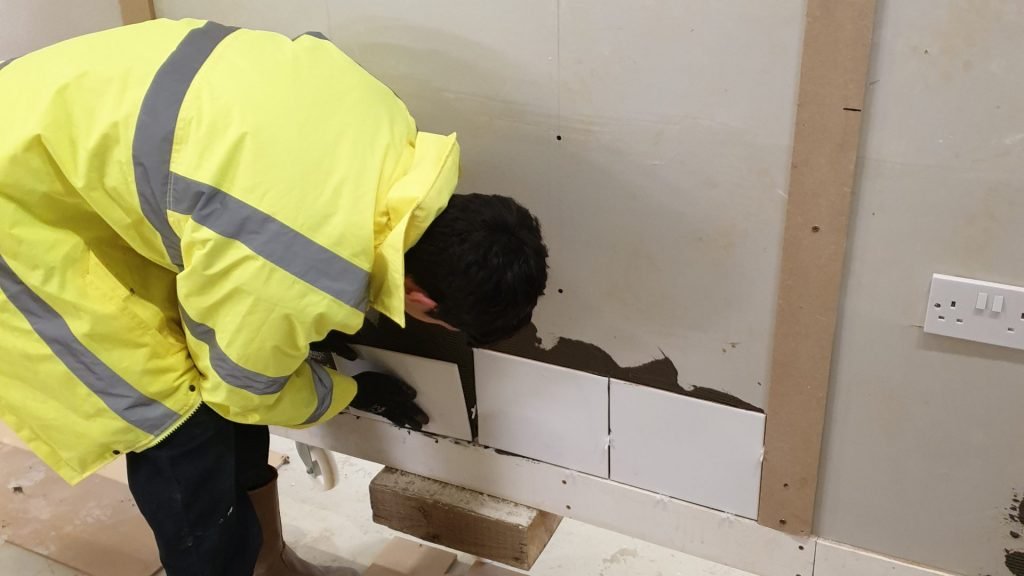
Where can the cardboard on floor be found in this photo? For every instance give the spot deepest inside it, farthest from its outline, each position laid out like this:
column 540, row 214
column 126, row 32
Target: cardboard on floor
column 93, row 527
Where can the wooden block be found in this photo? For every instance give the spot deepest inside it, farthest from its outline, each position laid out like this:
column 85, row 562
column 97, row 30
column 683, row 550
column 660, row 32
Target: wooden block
column 403, row 557
column 93, row 527
column 461, row 519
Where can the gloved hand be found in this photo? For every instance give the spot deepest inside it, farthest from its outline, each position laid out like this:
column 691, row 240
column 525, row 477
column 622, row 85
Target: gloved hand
column 387, row 396
column 336, row 343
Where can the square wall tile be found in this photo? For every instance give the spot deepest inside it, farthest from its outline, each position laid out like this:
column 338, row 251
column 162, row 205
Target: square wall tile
column 545, row 412
column 689, row 449
column 437, row 384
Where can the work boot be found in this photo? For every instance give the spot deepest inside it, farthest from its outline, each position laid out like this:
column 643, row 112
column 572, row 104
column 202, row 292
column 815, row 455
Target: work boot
column 276, row 558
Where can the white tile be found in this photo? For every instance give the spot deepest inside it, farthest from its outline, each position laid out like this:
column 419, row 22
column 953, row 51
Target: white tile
column 437, row 383
column 544, row 412
column 698, row 451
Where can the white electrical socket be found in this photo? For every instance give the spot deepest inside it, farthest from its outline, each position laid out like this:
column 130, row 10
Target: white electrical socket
column 976, row 310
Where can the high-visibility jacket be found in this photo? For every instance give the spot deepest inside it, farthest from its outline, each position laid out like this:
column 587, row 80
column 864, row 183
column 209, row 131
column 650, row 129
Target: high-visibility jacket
column 184, row 208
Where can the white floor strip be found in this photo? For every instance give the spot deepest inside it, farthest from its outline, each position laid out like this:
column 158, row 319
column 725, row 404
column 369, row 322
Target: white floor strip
column 835, row 559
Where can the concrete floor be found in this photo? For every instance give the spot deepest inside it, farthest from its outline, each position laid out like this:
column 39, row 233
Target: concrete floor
column 336, row 528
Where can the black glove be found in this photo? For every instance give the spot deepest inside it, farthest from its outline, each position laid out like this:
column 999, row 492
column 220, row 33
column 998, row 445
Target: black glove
column 336, row 343
column 387, row 396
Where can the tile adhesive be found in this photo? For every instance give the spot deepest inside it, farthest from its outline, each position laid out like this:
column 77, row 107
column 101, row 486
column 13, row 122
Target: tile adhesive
column 438, row 343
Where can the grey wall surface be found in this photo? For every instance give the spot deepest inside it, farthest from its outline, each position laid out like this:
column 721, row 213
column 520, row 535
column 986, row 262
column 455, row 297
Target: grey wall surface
column 923, row 444
column 27, row 25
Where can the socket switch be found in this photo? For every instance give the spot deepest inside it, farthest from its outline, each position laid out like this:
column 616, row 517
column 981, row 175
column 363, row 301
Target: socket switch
column 976, row 310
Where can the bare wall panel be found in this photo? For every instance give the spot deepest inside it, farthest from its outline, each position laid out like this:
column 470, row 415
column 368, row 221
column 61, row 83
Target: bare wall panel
column 663, row 199
column 676, row 120
column 665, row 219
column 921, row 458
column 32, row 24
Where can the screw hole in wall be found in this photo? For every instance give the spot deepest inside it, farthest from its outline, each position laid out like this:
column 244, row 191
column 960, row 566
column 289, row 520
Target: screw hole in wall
column 959, row 320
column 800, row 547
column 937, row 305
column 942, row 318
column 1011, row 330
column 560, row 291
column 952, row 304
column 785, row 485
column 782, row 521
column 558, row 137
column 567, row 507
column 815, row 229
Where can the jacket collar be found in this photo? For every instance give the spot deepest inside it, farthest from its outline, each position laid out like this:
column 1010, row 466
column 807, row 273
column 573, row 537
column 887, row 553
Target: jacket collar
column 408, row 208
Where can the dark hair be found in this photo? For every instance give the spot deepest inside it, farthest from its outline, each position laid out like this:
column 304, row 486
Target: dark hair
column 485, row 264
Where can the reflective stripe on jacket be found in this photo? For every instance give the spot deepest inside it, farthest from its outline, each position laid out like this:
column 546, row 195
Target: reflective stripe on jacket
column 184, row 207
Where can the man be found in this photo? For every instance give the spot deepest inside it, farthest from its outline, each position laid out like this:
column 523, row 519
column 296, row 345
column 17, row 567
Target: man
column 184, row 209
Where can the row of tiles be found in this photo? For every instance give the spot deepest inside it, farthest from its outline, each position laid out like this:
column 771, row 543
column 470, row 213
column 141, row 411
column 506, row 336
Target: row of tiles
column 685, row 448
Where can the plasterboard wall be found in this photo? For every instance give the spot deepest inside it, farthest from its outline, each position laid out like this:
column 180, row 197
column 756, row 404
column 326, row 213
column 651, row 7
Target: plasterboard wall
column 662, row 203
column 27, row 25
column 922, row 448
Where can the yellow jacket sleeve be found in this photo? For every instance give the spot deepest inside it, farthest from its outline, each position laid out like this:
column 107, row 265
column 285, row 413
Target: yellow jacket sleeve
column 249, row 324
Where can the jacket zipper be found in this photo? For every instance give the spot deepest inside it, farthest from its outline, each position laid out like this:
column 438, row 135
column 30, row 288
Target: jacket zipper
column 181, row 422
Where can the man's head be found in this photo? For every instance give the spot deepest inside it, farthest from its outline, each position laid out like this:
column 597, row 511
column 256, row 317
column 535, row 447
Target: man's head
column 479, row 267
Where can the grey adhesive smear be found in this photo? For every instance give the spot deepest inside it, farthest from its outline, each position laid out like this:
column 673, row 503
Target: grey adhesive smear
column 1015, row 563
column 439, row 343
column 659, row 373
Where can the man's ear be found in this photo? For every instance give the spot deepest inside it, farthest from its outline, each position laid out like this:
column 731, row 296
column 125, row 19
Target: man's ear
column 426, row 303
column 416, row 295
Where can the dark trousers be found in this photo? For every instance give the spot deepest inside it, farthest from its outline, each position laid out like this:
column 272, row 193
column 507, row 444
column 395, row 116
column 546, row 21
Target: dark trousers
column 192, row 490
